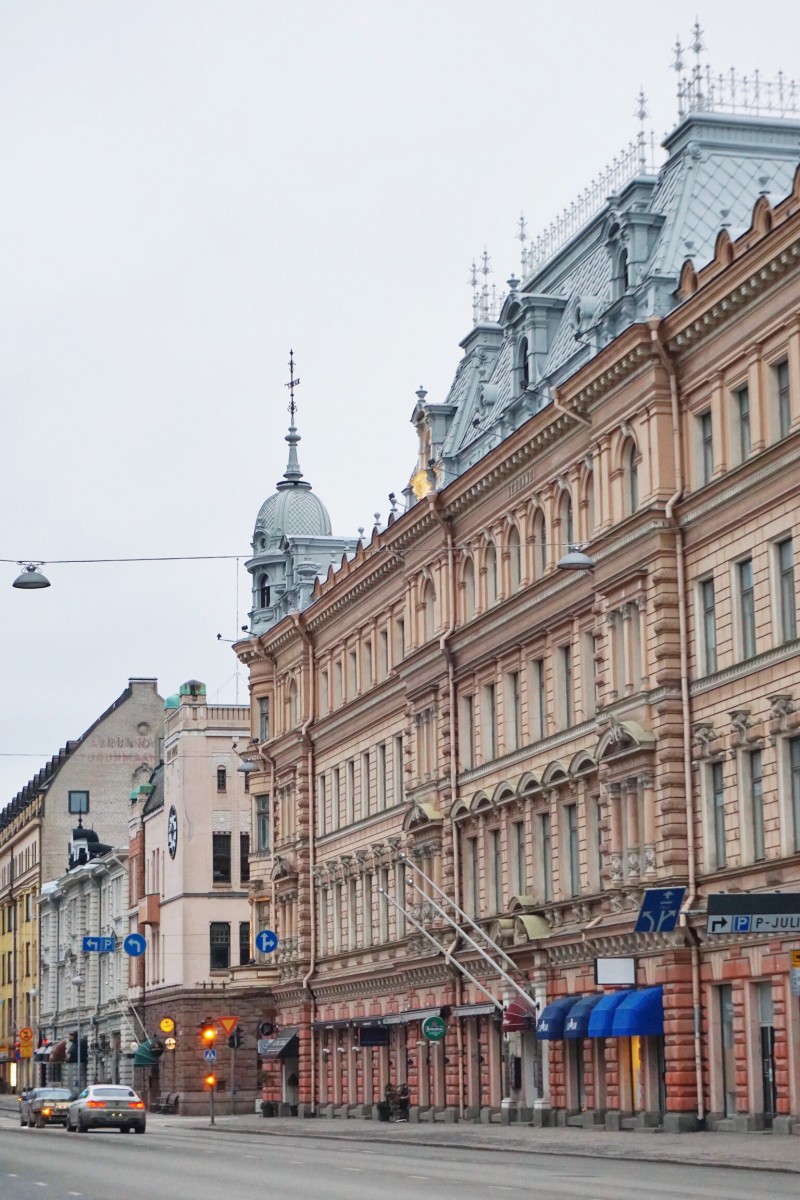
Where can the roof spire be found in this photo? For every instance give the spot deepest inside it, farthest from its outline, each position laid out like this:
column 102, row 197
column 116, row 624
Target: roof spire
column 292, row 473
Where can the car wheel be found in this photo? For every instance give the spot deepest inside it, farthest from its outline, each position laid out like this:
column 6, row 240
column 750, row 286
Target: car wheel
column 39, row 1123
column 138, row 1128
column 81, row 1127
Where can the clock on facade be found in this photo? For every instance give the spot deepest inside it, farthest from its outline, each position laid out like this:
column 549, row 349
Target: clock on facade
column 172, row 832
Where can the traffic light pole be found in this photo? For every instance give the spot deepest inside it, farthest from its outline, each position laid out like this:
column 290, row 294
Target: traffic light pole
column 211, row 1091
column 233, row 1081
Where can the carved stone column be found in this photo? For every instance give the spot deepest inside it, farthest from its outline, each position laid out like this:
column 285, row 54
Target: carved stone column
column 632, row 823
column 615, row 821
column 649, row 865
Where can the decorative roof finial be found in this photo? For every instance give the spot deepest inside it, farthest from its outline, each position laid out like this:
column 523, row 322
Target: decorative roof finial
column 697, row 47
column 522, row 237
column 641, row 114
column 292, row 473
column 485, row 270
column 473, row 283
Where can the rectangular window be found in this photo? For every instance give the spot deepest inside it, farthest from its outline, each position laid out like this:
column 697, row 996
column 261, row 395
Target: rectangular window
column 352, row 673
column 263, row 718
column 466, row 741
column 222, row 779
column 399, row 640
column 78, row 802
column 220, row 945
column 589, row 675
column 365, row 784
column 367, row 665
column 787, row 608
column 717, row 787
column 350, row 791
column 400, row 886
column 322, row 922
column 545, row 842
column 565, row 672
column 488, row 721
column 741, row 398
column 794, row 771
column 709, row 622
column 571, row 814
column 244, row 943
column 336, row 798
column 397, row 769
column 321, row 805
column 747, row 607
column 705, row 434
column 383, row 654
column 324, row 693
column 244, row 858
column 783, row 411
column 518, row 843
column 352, row 914
column 538, row 712
column 262, row 824
column 380, row 776
column 497, row 869
column 383, row 905
column 366, row 889
column 513, row 712
column 756, row 788
column 472, row 887
column 337, row 683
column 337, row 918
column 221, row 857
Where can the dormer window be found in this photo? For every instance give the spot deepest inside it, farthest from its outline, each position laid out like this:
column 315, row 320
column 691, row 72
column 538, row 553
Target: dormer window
column 523, row 368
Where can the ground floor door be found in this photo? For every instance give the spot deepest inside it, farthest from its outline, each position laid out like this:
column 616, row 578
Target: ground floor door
column 767, row 1051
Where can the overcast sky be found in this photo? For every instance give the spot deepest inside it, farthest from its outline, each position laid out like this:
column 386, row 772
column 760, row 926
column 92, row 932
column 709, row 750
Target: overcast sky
column 190, row 188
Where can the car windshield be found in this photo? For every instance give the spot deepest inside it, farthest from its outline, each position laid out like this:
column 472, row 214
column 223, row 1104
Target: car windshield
column 114, row 1093
column 54, row 1094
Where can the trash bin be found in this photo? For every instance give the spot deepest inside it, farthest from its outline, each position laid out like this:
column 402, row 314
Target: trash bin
column 269, row 1108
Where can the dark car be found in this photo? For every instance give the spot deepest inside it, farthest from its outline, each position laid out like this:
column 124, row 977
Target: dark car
column 107, row 1106
column 47, row 1106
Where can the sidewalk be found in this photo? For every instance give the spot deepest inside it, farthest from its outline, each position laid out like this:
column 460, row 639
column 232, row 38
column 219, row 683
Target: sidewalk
column 751, row 1151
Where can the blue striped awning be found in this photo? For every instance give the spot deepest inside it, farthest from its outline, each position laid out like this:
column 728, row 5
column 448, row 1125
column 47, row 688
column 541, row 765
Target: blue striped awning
column 601, row 1019
column 641, row 1014
column 577, row 1022
column 550, row 1026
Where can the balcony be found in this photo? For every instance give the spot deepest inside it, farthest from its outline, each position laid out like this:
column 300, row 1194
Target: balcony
column 149, row 907
column 260, row 974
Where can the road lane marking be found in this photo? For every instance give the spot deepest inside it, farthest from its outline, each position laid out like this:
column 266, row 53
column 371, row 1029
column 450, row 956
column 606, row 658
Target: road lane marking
column 418, row 1177
column 353, row 1170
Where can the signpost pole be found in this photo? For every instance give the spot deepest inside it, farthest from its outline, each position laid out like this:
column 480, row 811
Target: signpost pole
column 211, row 1091
column 233, row 1080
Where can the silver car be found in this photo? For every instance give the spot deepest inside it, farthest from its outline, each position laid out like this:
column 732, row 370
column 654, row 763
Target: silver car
column 107, row 1106
column 44, row 1106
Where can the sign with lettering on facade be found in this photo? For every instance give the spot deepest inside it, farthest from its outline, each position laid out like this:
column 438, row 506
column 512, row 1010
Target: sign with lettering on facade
column 772, row 912
column 794, row 980
column 795, row 959
column 659, row 910
column 99, row 945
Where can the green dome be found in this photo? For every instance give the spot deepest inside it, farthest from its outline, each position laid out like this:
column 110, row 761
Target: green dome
column 172, row 702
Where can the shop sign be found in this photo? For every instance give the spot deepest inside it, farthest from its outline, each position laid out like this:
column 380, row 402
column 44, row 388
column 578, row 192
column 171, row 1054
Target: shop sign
column 794, row 979
column 775, row 912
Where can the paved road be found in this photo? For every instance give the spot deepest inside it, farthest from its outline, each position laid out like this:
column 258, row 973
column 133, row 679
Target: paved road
column 174, row 1163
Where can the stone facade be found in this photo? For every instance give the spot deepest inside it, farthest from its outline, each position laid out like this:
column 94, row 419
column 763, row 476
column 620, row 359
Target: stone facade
column 190, row 838
column 453, row 710
column 90, row 777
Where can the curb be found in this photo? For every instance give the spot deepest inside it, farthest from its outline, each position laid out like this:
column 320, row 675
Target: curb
column 566, row 1152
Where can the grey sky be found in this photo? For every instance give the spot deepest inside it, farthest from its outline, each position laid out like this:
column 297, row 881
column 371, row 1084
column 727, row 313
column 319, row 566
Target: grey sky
column 189, row 189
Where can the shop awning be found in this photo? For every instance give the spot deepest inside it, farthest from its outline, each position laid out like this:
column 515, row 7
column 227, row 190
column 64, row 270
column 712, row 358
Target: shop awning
column 577, row 1022
column 59, row 1052
column 143, row 1056
column 413, row 1014
column 601, row 1019
column 283, row 1045
column 550, row 1026
column 475, row 1010
column 42, row 1053
column 641, row 1014
column 518, row 1016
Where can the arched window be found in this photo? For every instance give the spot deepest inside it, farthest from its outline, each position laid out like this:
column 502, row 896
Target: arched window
column 567, row 522
column 469, row 589
column 539, row 545
column 630, row 472
column 291, row 697
column 491, row 574
column 622, row 273
column 524, row 371
column 515, row 558
column 589, row 485
column 429, row 615
column 263, row 592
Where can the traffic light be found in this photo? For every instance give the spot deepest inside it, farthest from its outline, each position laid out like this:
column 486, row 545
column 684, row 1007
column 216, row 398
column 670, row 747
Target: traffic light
column 208, row 1034
column 210, row 1082
column 235, row 1040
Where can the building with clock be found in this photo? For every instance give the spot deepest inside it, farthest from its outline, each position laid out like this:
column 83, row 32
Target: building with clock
column 566, row 676
column 190, row 861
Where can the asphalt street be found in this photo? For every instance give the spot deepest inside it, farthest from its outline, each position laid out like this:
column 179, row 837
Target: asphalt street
column 180, row 1163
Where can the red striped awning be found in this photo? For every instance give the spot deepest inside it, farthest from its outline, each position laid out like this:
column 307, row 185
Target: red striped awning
column 518, row 1016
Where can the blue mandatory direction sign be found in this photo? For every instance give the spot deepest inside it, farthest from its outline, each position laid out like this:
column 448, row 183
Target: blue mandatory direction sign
column 99, row 945
column 135, row 944
column 659, row 911
column 266, row 941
